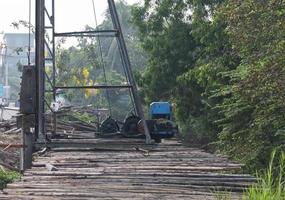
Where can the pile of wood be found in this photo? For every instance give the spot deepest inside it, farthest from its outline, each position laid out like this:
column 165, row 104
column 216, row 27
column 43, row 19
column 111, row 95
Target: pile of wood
column 9, row 159
column 9, row 126
column 72, row 123
column 67, row 124
column 10, row 144
column 66, row 121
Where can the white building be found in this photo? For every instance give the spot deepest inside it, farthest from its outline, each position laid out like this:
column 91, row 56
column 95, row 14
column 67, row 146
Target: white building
column 14, row 54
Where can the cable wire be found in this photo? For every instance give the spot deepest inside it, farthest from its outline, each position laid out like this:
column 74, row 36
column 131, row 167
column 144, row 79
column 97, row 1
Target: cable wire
column 102, row 59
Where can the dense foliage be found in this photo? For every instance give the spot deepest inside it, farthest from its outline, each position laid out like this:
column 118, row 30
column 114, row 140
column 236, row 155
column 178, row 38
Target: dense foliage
column 254, row 119
column 220, row 62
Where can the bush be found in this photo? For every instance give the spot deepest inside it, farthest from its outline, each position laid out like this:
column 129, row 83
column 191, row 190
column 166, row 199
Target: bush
column 7, row 177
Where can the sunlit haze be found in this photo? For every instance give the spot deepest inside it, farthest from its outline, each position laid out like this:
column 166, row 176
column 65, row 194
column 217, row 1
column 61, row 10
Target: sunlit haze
column 71, row 15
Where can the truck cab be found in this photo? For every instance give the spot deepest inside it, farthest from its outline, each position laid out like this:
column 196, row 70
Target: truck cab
column 161, row 110
column 161, row 124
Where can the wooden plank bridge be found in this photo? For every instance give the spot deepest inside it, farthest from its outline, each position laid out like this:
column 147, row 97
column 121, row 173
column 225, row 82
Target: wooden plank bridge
column 121, row 168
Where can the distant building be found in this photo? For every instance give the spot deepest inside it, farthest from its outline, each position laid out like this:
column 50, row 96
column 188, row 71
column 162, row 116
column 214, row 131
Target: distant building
column 14, row 54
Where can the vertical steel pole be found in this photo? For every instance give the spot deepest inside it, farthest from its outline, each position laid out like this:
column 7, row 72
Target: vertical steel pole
column 127, row 63
column 40, row 77
column 53, row 63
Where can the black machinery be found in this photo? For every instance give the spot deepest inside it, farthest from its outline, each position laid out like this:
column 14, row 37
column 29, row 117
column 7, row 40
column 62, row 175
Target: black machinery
column 160, row 124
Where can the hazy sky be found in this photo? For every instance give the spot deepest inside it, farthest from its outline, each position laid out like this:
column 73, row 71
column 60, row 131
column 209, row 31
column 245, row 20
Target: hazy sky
column 71, row 15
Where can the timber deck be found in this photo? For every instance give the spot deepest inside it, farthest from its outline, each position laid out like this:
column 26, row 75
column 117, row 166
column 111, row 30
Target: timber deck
column 127, row 169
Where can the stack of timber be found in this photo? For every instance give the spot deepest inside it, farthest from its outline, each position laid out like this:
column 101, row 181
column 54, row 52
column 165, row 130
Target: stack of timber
column 121, row 168
column 9, row 126
column 10, row 144
column 66, row 120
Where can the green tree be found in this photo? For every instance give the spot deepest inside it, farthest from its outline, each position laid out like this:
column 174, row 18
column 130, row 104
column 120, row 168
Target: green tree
column 254, row 113
column 165, row 36
column 222, row 64
column 188, row 52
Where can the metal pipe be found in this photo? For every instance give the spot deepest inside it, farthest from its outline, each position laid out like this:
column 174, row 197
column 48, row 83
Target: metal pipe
column 40, row 64
column 96, row 33
column 95, row 87
column 52, row 18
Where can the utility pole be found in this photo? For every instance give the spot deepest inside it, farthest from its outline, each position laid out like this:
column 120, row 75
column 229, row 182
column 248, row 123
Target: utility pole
column 40, row 74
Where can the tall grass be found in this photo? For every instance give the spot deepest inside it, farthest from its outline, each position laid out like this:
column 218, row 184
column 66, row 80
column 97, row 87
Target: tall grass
column 271, row 184
column 223, row 195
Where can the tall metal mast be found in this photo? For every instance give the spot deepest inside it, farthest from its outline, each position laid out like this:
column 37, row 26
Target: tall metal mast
column 42, row 44
column 127, row 65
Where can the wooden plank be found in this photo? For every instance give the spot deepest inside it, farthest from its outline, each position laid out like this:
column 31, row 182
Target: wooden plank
column 12, row 145
column 118, row 169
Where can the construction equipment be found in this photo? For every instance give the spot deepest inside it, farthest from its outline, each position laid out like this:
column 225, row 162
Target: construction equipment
column 160, row 124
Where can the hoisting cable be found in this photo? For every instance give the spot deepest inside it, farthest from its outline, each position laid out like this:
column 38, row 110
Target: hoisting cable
column 102, row 59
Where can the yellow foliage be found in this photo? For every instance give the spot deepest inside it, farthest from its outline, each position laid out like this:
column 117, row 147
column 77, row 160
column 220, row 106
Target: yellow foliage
column 91, row 92
column 88, row 93
column 85, row 73
column 90, row 82
column 96, row 92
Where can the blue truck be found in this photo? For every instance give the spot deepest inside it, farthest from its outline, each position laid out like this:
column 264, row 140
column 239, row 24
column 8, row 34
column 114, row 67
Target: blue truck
column 161, row 124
